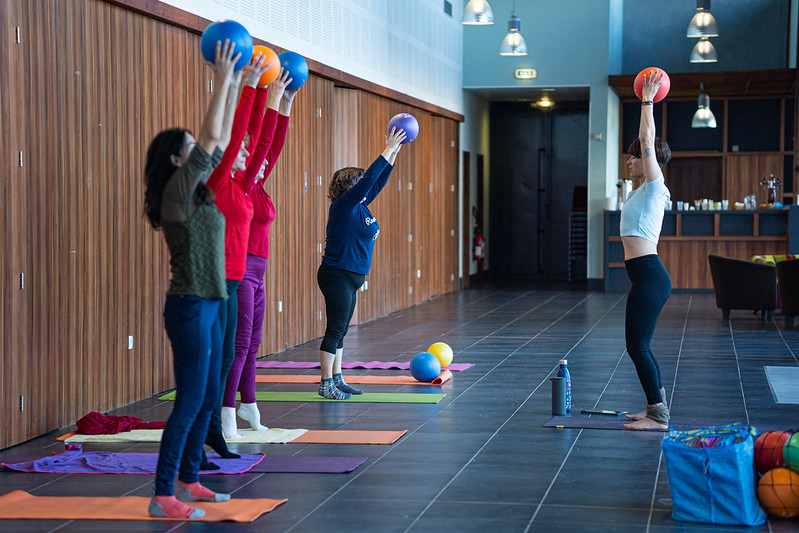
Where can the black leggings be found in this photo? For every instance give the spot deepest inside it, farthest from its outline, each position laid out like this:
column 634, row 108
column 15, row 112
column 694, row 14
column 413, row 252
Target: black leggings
column 649, row 293
column 340, row 289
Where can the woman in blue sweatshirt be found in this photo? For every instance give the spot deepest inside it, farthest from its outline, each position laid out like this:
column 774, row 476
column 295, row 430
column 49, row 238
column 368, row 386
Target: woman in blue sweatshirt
column 349, row 243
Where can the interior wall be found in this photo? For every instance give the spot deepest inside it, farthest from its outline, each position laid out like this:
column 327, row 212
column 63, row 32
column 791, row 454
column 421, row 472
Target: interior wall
column 83, row 272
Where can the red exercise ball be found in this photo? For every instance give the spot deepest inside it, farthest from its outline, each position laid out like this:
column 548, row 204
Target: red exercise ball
column 665, row 83
column 769, row 450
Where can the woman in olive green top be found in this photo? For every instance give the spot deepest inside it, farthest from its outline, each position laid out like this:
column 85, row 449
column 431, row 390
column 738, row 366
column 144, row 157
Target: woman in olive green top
column 177, row 200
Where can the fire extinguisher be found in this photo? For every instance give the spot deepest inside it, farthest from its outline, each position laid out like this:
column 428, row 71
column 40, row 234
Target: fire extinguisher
column 479, row 244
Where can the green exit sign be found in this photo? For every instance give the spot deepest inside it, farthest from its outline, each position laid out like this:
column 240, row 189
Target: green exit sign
column 525, row 73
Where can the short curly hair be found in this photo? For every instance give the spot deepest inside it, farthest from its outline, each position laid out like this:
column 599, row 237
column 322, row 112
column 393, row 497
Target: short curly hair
column 342, row 180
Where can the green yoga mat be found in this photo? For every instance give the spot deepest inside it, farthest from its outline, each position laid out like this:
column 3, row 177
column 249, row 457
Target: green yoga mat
column 366, row 397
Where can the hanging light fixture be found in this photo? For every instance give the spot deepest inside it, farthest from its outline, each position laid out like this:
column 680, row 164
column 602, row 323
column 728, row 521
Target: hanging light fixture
column 703, row 24
column 477, row 12
column 704, row 52
column 704, row 117
column 513, row 44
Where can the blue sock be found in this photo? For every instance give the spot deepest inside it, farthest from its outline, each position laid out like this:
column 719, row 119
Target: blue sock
column 329, row 390
column 338, row 380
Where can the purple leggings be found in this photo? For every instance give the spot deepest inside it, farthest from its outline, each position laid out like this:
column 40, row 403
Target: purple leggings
column 248, row 333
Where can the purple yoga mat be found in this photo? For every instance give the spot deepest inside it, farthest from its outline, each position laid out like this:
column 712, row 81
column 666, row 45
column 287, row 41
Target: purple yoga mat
column 617, row 422
column 390, row 365
column 74, row 461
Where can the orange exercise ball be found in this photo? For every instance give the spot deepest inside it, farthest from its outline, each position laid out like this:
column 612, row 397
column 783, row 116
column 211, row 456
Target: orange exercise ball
column 778, row 492
column 665, row 83
column 272, row 60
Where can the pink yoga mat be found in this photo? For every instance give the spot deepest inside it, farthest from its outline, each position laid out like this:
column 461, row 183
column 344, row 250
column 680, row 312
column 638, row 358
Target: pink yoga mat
column 379, row 365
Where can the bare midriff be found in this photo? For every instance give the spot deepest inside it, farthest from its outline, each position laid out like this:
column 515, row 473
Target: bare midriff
column 637, row 247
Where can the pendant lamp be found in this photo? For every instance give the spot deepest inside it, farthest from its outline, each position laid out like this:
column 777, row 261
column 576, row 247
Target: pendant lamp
column 704, row 117
column 513, row 44
column 477, row 13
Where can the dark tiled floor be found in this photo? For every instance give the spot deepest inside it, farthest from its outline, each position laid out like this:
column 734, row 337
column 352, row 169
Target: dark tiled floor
column 481, row 459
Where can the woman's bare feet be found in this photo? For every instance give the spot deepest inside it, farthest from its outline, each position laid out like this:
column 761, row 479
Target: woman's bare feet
column 636, row 416
column 646, row 424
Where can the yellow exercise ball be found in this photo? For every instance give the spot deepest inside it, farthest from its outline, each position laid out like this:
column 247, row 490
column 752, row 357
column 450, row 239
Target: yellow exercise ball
column 442, row 351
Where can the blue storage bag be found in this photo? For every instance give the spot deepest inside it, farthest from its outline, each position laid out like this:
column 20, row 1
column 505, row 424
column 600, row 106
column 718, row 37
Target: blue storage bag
column 713, row 484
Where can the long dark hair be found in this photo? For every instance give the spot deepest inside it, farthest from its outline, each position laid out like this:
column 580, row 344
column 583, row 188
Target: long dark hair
column 158, row 169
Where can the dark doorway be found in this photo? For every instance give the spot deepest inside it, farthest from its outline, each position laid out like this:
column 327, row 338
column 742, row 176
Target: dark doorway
column 537, row 159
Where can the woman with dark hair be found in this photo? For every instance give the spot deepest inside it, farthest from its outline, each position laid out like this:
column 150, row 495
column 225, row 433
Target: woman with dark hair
column 641, row 222
column 250, row 294
column 349, row 243
column 177, row 200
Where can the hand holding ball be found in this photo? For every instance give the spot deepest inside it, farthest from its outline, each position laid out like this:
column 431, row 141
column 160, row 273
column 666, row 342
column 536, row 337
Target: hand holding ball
column 407, row 123
column 665, row 83
column 297, row 68
column 271, row 59
column 234, row 32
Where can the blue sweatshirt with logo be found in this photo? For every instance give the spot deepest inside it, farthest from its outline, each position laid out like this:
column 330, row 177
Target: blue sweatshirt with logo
column 351, row 228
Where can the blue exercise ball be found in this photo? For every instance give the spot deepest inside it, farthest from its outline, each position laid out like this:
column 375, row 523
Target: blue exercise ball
column 297, row 67
column 425, row 367
column 407, row 123
column 233, row 31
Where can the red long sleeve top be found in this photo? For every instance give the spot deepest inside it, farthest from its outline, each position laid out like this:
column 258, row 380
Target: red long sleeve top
column 270, row 144
column 231, row 190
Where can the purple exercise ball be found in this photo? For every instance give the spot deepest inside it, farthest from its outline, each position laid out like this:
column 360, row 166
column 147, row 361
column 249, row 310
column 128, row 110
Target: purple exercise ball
column 407, row 123
column 233, row 31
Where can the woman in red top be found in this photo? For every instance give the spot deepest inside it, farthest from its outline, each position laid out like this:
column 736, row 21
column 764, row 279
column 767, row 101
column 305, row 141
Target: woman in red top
column 250, row 293
column 231, row 199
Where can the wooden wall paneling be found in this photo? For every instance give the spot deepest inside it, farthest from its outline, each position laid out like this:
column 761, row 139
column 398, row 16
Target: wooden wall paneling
column 346, row 124
column 453, row 143
column 13, row 368
column 672, row 253
column 323, row 166
column 273, row 332
column 745, row 171
column 425, row 167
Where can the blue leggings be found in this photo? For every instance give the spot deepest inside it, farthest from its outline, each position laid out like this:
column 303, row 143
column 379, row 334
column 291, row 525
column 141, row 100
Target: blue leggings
column 649, row 293
column 340, row 289
column 192, row 324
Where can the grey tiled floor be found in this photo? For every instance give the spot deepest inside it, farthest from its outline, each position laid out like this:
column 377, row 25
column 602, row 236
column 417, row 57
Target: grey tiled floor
column 480, row 459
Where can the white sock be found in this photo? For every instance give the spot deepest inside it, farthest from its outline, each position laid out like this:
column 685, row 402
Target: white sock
column 250, row 413
column 229, row 429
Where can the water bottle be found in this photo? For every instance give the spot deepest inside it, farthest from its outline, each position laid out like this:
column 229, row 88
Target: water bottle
column 563, row 372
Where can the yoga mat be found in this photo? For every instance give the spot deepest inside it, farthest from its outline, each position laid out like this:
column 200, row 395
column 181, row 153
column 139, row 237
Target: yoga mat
column 248, row 436
column 338, row 436
column 610, row 422
column 379, row 365
column 21, row 505
column 445, row 376
column 784, row 383
column 305, row 437
column 312, row 396
column 75, row 461
column 306, row 464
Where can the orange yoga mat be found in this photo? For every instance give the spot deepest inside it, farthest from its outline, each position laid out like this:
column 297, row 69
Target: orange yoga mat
column 21, row 505
column 445, row 376
column 338, row 436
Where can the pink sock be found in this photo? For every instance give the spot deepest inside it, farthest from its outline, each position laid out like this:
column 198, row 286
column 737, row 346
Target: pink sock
column 195, row 492
column 172, row 508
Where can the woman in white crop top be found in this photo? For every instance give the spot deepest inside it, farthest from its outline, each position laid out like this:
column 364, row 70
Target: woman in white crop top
column 641, row 221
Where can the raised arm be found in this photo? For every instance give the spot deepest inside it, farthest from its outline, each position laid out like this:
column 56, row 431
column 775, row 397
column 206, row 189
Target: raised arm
column 393, row 145
column 213, row 132
column 263, row 151
column 646, row 130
